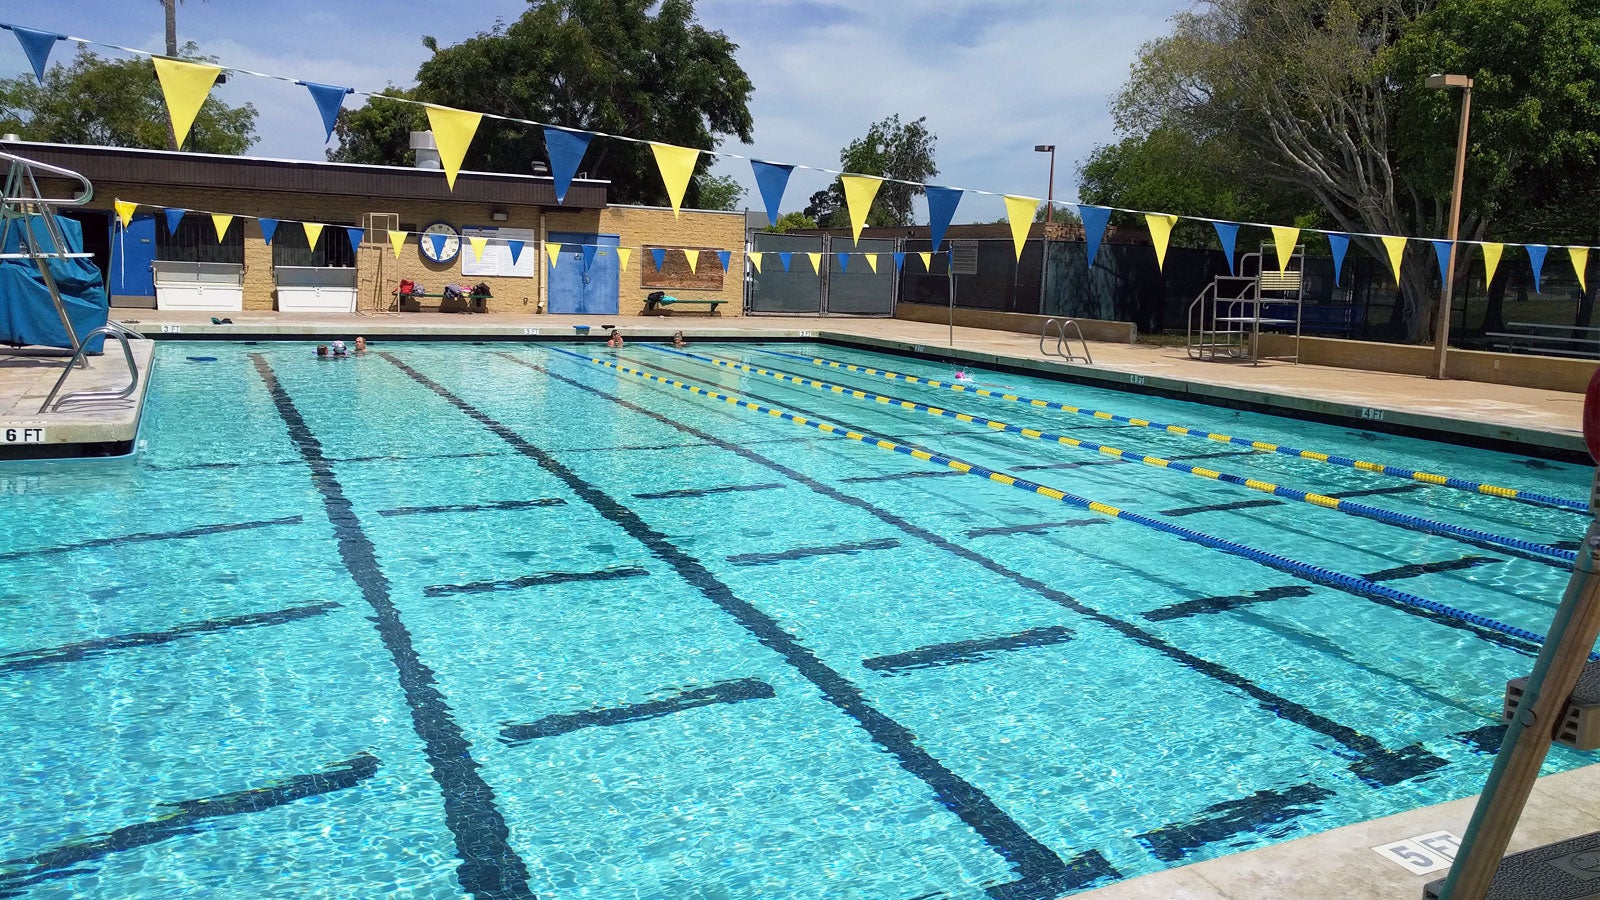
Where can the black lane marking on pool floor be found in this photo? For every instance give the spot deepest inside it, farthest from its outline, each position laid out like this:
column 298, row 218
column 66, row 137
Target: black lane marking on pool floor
column 1043, row 873
column 563, row 723
column 80, row 650
column 681, row 493
column 1221, row 821
column 1220, row 507
column 147, row 536
column 1374, row 492
column 1215, row 454
column 497, row 506
column 296, row 462
column 527, row 581
column 1205, row 605
column 1374, row 763
column 1037, row 467
column 1036, row 528
column 1485, row 740
column 899, row 476
column 489, row 867
column 849, row 548
column 970, row 651
column 69, row 859
column 1416, row 570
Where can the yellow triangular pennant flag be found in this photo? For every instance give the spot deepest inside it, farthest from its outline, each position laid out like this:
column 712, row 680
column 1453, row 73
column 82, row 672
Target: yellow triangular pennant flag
column 858, row 193
column 622, row 257
column 872, row 261
column 1160, row 233
column 1397, row 248
column 313, row 231
column 1491, row 260
column 554, row 252
column 693, row 256
column 479, row 244
column 185, row 86
column 1019, row 212
column 397, row 240
column 452, row 134
column 816, row 262
column 221, row 223
column 1283, row 240
column 125, row 211
column 1580, row 263
column 927, row 261
column 676, row 165
column 755, row 260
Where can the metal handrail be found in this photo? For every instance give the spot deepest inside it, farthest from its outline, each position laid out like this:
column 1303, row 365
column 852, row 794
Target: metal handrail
column 108, row 330
column 80, row 200
column 1062, row 349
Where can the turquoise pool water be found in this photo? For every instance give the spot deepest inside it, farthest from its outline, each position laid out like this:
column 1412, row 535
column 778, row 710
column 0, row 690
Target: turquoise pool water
column 497, row 621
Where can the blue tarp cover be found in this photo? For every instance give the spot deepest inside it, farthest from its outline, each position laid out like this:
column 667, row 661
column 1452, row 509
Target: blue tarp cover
column 26, row 314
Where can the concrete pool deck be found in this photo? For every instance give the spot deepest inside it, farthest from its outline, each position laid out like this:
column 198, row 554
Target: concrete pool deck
column 1337, row 863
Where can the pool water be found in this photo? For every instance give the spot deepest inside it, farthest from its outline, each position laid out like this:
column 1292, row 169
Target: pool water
column 503, row 621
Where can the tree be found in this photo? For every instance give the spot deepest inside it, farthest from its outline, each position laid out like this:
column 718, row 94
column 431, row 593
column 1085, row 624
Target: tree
column 889, row 150
column 790, row 221
column 720, row 192
column 379, row 131
column 115, row 103
column 634, row 68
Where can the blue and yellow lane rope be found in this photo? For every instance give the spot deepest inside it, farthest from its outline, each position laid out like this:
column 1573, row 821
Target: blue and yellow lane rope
column 1351, row 583
column 1404, row 520
column 1490, row 490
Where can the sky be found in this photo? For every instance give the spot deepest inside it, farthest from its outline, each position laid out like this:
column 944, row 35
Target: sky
column 993, row 77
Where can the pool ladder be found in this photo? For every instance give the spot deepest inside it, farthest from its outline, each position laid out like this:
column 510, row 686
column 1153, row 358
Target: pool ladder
column 1063, row 349
column 114, row 330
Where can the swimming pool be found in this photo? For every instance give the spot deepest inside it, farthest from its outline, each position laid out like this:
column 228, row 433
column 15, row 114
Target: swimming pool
column 507, row 621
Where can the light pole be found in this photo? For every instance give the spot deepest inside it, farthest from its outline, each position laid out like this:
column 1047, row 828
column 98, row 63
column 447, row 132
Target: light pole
column 1441, row 328
column 1050, row 190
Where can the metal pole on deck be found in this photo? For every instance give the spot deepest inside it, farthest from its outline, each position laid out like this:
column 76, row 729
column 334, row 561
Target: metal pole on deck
column 1539, row 714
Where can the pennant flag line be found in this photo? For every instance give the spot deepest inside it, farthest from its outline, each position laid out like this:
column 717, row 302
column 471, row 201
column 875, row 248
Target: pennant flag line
column 786, row 257
column 1228, row 236
column 516, row 250
column 452, row 134
column 927, row 261
column 185, row 86
column 1095, row 219
column 623, row 253
column 1019, row 212
column 565, row 149
column 1491, row 260
column 269, row 227
column 554, row 252
column 1580, row 264
column 1443, row 250
column 589, row 251
column 1397, row 248
column 221, row 223
column 872, row 262
column 174, row 216
column 1284, row 239
column 329, row 98
column 125, row 211
column 436, row 241
column 397, row 240
column 660, row 256
column 37, row 45
column 942, row 202
column 755, row 261
column 1160, row 232
column 355, row 235
column 1536, row 254
column 724, row 256
column 676, row 165
column 479, row 244
column 899, row 262
column 816, row 262
column 1337, row 245
column 314, row 230
column 771, row 180
column 859, row 191
column 844, row 262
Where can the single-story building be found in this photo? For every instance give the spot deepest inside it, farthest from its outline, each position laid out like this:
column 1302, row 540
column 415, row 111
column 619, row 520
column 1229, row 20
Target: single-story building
column 162, row 261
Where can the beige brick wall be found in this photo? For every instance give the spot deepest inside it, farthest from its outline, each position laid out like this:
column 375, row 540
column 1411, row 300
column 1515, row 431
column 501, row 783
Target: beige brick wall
column 379, row 272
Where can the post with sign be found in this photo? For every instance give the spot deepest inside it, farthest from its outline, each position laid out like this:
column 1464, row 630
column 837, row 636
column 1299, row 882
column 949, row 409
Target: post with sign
column 963, row 260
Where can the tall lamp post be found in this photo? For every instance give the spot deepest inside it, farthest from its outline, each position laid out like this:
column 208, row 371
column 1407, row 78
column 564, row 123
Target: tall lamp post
column 1050, row 189
column 1441, row 328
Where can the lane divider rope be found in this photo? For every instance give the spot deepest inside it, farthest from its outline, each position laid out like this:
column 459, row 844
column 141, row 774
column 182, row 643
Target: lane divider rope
column 1388, row 517
column 1318, row 574
column 1489, row 490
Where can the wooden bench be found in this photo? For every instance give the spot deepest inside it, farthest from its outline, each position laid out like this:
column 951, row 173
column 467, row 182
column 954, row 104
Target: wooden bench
column 473, row 302
column 657, row 305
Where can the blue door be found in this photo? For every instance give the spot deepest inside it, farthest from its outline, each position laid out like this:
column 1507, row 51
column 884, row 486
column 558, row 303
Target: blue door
column 586, row 280
column 133, row 249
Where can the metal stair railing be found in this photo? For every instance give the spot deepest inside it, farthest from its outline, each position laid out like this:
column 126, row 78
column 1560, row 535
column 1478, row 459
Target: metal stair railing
column 21, row 200
column 1063, row 349
column 116, row 331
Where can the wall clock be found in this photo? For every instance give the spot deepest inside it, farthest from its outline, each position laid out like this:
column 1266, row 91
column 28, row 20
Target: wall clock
column 448, row 248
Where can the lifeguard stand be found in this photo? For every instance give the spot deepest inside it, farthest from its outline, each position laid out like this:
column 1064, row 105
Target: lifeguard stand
column 375, row 230
column 1226, row 319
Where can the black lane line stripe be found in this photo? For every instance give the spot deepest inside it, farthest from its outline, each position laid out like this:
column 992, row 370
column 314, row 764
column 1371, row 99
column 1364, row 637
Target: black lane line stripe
column 145, row 537
column 898, row 476
column 1373, row 492
column 632, row 448
column 489, row 867
column 850, row 548
column 1416, row 570
column 296, row 462
column 1037, row 528
column 33, row 659
column 1218, row 454
column 1485, row 740
column 1205, row 605
column 68, row 859
column 1220, row 507
column 1171, row 843
column 564, row 723
column 969, row 651
column 512, row 584
column 1375, row 763
column 702, row 492
column 1043, row 873
column 473, row 507
column 1036, row 467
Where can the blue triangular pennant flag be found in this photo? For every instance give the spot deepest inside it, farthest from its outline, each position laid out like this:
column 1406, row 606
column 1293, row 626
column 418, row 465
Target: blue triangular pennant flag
column 438, row 244
column 771, row 179
column 566, row 149
column 1228, row 234
column 844, row 261
column 725, row 256
column 659, row 254
column 269, row 227
column 1338, row 243
column 786, row 257
column 1536, row 254
column 899, row 261
column 174, row 216
column 516, row 250
column 37, row 45
column 1442, row 250
column 941, row 209
column 1094, row 219
column 329, row 98
column 589, row 251
column 354, row 234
